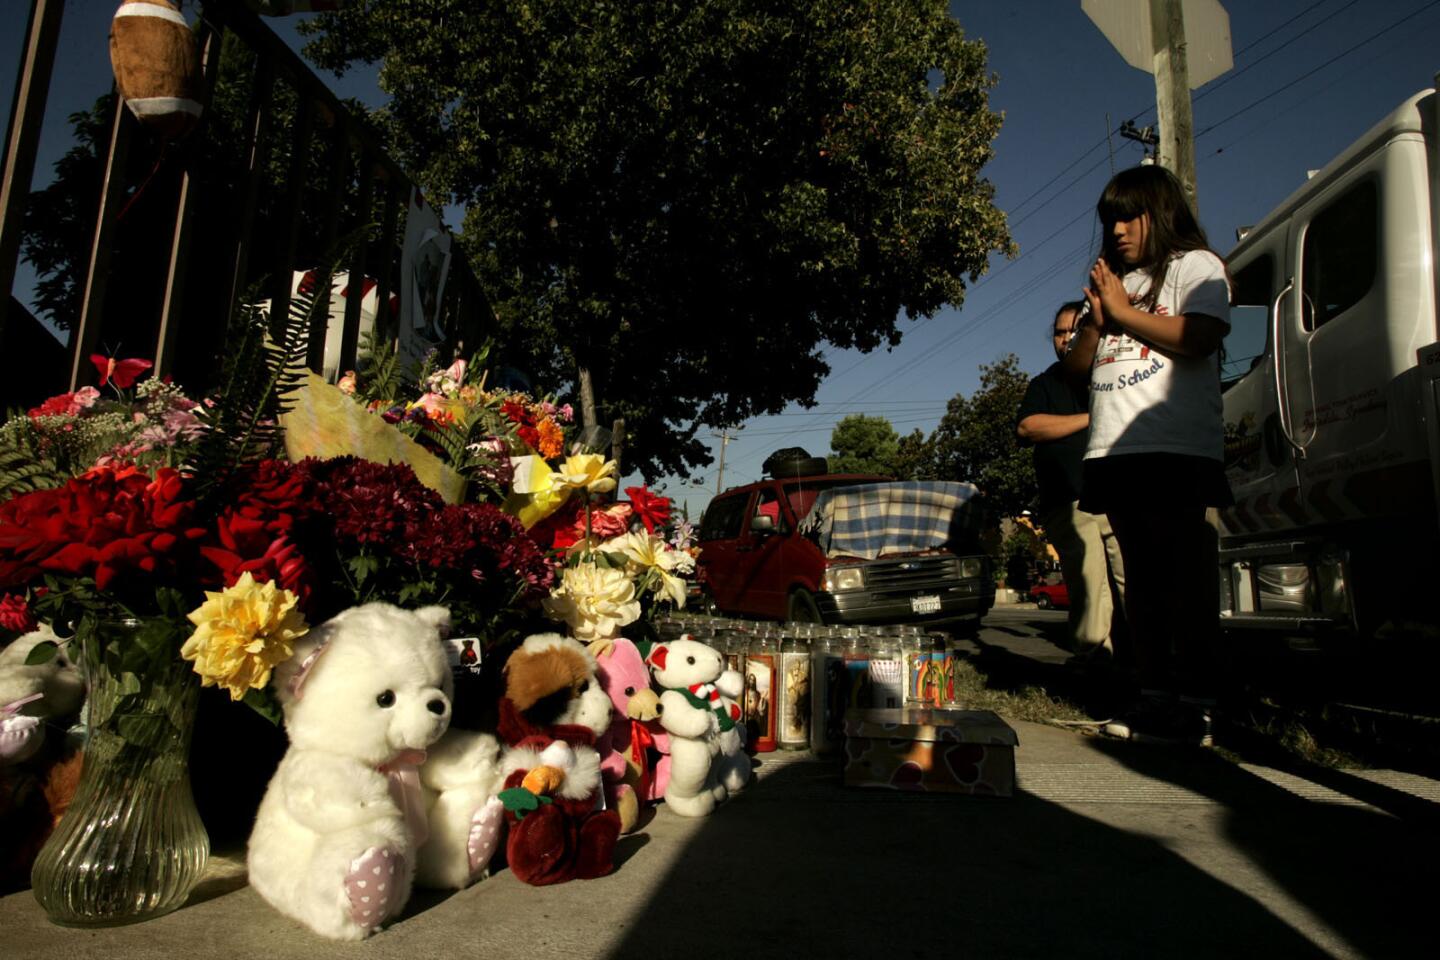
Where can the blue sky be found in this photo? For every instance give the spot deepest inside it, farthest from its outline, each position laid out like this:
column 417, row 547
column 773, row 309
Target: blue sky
column 1260, row 128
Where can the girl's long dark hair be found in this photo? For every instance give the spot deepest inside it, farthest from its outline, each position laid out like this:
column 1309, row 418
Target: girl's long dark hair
column 1173, row 227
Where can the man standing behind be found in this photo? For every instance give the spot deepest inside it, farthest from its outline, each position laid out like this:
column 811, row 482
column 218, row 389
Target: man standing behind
column 1055, row 417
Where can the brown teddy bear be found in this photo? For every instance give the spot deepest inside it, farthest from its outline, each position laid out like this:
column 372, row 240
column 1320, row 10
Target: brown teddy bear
column 553, row 710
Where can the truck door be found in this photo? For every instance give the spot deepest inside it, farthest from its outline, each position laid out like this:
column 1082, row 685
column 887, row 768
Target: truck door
column 1258, row 459
column 719, row 541
column 1363, row 256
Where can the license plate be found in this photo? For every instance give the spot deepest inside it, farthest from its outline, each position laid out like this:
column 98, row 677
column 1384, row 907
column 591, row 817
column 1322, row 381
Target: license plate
column 930, row 604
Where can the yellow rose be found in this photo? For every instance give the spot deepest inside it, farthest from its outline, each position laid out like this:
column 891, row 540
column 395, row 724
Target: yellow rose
column 587, row 471
column 242, row 633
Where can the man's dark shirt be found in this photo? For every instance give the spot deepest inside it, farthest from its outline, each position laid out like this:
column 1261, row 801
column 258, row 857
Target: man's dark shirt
column 1057, row 462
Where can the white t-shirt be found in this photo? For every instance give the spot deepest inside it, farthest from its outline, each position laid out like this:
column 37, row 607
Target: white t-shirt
column 1144, row 400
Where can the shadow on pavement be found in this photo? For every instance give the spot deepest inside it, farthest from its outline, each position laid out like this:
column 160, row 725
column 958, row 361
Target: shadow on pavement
column 812, row 869
column 1357, row 869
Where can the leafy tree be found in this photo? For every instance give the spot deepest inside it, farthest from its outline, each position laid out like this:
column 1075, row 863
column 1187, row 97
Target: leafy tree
column 685, row 201
column 914, row 457
column 975, row 440
column 861, row 444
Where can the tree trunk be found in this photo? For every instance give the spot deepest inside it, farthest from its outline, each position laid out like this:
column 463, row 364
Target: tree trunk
column 617, row 444
column 587, row 398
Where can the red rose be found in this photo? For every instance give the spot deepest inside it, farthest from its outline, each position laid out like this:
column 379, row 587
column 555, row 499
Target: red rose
column 517, row 413
column 612, row 521
column 277, row 560
column 15, row 614
column 111, row 520
column 653, row 511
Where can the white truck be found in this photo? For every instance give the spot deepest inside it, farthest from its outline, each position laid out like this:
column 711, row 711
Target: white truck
column 1332, row 396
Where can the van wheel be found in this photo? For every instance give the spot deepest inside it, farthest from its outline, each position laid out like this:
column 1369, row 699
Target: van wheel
column 802, row 608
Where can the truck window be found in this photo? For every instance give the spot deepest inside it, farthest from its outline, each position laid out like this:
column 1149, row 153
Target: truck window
column 1342, row 249
column 1253, row 291
column 723, row 518
column 768, row 505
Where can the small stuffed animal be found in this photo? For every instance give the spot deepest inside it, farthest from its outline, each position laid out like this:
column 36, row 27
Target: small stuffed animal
column 552, row 712
column 732, row 763
column 634, row 729
column 694, row 714
column 39, row 763
column 336, row 839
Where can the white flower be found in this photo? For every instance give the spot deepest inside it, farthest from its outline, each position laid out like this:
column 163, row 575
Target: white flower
column 644, row 551
column 594, row 602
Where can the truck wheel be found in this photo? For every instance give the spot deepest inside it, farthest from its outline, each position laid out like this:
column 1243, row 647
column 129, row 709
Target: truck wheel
column 802, row 608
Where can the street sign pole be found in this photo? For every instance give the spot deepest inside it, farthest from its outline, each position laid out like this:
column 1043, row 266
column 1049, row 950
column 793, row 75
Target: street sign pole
column 1172, row 94
column 1185, row 44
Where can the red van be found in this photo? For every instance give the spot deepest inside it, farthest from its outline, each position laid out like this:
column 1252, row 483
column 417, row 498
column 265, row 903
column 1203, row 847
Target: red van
column 754, row 562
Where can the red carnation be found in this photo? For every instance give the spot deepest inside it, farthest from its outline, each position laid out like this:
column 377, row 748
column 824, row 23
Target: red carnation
column 15, row 614
column 653, row 511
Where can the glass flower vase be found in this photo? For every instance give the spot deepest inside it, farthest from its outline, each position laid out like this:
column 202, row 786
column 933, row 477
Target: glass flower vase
column 131, row 846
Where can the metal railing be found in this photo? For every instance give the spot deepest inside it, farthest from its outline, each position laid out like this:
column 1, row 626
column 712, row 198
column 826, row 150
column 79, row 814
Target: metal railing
column 290, row 113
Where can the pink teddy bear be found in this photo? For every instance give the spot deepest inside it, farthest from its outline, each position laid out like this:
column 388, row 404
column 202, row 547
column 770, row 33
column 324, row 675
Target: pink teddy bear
column 630, row 780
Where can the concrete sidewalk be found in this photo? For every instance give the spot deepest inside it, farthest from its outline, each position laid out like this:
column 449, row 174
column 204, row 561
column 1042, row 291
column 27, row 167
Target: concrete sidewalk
column 1108, row 850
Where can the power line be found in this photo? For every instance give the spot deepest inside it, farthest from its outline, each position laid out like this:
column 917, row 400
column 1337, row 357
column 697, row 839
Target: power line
column 1310, row 73
column 1211, row 88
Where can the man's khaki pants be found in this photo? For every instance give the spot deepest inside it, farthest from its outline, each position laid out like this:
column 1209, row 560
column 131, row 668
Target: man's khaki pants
column 1090, row 561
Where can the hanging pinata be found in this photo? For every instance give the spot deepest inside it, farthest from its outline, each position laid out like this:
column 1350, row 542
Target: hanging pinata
column 152, row 50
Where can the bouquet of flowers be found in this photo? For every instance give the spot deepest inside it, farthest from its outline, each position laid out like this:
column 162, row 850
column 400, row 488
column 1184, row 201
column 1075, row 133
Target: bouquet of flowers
column 475, row 430
column 623, row 561
column 149, row 424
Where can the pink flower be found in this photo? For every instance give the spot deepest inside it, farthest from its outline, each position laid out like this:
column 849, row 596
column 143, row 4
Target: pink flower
column 567, row 413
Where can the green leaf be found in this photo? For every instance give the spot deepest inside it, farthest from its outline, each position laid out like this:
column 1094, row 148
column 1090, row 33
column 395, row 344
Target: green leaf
column 42, row 653
column 519, row 800
column 264, row 703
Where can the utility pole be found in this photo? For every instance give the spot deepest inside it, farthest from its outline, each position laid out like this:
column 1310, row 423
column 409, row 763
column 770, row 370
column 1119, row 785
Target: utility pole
column 724, row 437
column 1152, row 35
column 1172, row 94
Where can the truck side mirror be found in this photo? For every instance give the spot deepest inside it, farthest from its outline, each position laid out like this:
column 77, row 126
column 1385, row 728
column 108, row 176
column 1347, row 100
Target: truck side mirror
column 762, row 523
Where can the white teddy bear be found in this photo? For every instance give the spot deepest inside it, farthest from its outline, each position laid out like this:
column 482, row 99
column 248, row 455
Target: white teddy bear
column 344, row 821
column 29, row 695
column 732, row 763
column 691, row 675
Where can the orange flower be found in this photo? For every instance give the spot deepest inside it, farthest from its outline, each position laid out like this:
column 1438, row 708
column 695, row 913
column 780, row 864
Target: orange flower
column 552, row 439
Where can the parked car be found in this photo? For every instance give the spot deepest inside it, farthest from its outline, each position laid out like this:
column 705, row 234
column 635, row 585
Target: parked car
column 755, row 561
column 1050, row 595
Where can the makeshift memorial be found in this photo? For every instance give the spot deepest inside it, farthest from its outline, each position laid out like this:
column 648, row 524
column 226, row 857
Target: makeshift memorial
column 635, row 731
column 550, row 717
column 694, row 712
column 111, row 540
column 343, row 822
